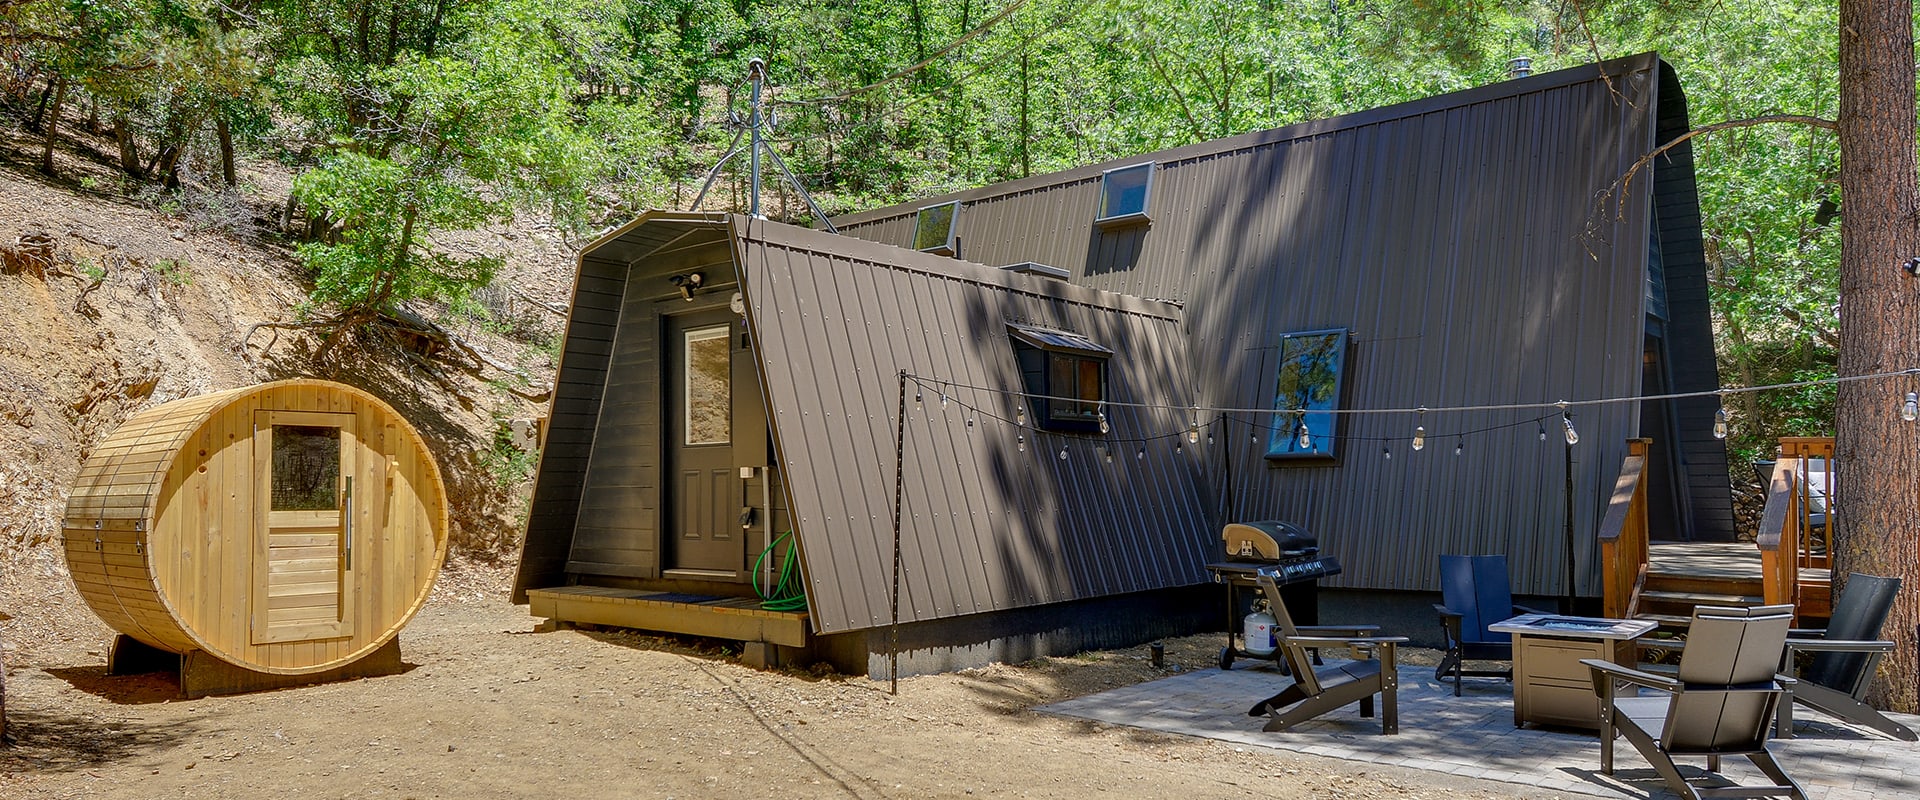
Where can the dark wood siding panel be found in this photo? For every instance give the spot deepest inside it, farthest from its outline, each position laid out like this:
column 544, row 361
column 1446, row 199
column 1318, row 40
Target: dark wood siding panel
column 577, row 388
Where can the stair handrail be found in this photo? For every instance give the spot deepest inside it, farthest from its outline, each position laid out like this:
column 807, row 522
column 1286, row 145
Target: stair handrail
column 1623, row 535
column 1782, row 533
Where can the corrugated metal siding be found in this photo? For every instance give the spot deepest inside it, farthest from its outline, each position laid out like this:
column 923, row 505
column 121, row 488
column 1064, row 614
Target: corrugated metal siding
column 1451, row 235
column 986, row 527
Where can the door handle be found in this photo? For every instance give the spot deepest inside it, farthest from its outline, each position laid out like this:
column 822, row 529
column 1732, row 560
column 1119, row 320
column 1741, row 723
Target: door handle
column 346, row 521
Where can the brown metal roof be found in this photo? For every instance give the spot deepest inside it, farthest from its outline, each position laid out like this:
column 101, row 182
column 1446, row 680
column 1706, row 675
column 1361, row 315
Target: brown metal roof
column 987, row 526
column 1465, row 241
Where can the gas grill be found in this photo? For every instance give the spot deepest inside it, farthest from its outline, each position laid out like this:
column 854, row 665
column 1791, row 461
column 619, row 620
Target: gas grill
column 1282, row 550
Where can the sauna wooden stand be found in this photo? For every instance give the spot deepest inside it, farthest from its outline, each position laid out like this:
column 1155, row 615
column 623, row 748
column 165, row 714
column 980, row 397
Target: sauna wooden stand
column 202, row 675
column 257, row 538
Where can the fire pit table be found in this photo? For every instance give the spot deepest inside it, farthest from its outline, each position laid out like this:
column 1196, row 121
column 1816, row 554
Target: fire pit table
column 1550, row 685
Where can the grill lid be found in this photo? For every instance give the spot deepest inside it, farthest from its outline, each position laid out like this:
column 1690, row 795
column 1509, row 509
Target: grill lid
column 1271, row 540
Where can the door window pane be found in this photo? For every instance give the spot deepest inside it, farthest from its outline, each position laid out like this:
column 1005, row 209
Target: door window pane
column 306, row 468
column 709, row 382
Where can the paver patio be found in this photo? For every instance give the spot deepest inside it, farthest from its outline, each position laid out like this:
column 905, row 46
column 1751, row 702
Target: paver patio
column 1474, row 736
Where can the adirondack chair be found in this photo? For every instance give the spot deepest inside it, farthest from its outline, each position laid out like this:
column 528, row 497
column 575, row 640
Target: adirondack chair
column 1844, row 657
column 1474, row 593
column 1317, row 691
column 1721, row 702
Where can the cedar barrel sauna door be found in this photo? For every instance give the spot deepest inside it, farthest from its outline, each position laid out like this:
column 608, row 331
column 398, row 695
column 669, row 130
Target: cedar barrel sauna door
column 303, row 525
column 705, row 537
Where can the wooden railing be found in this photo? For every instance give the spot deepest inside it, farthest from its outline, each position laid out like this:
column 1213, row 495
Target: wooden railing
column 1623, row 535
column 1797, row 497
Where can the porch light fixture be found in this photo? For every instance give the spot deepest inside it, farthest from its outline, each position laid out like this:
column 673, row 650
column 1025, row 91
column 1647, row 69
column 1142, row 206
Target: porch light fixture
column 687, row 283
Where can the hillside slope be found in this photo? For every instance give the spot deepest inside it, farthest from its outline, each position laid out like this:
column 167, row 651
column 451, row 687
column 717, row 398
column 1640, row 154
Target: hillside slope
column 111, row 303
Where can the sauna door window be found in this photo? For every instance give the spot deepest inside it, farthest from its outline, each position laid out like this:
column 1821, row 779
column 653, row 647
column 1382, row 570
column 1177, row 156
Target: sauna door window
column 303, row 526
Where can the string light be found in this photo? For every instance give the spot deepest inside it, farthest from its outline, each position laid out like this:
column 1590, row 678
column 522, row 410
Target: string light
column 1420, row 437
column 1459, row 445
column 1573, row 436
column 916, row 400
column 1023, row 443
column 1910, row 410
column 1020, row 415
column 1108, row 452
column 1306, row 437
column 1720, row 423
column 1543, row 431
column 1386, row 453
column 1193, row 427
column 1104, row 426
column 943, row 401
column 1063, row 452
column 1140, row 456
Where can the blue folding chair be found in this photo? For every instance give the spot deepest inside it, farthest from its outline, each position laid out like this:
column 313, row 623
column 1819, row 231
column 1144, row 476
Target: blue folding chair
column 1474, row 593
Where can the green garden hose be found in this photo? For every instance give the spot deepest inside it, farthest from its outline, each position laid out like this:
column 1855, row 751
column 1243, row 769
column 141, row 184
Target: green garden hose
column 786, row 593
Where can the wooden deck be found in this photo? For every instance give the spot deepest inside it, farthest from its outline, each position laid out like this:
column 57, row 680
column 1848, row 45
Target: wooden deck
column 1693, row 571
column 737, row 618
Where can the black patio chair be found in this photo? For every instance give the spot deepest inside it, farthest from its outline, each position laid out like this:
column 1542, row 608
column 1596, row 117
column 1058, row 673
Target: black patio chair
column 1317, row 691
column 1844, row 656
column 1474, row 593
column 1720, row 703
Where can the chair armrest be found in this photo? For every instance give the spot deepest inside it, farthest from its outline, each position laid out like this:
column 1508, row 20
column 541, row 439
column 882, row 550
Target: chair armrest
column 1344, row 641
column 1806, row 633
column 1339, row 630
column 1446, row 612
column 1611, row 671
column 1518, row 610
column 1837, row 646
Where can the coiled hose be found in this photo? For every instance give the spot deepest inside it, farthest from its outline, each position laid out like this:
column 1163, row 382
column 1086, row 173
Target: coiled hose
column 786, row 593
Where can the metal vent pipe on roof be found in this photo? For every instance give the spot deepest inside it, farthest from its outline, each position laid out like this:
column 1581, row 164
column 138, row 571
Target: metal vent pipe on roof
column 1519, row 67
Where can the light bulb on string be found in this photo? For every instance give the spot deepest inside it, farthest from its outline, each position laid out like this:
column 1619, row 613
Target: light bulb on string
column 1020, row 414
column 969, row 422
column 1108, row 452
column 1386, row 454
column 1105, row 427
column 1305, row 436
column 943, row 400
column 1573, row 436
column 1063, row 452
column 1459, row 446
column 1420, row 437
column 1543, row 431
column 1720, row 423
column 1140, row 456
column 1910, row 410
column 1193, row 427
column 1023, row 442
column 916, row 399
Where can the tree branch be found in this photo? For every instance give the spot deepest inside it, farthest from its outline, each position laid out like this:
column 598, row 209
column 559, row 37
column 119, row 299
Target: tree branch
column 1620, row 187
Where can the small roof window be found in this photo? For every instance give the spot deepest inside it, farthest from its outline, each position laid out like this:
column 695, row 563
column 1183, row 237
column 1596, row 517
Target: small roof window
column 933, row 229
column 1124, row 193
column 1065, row 375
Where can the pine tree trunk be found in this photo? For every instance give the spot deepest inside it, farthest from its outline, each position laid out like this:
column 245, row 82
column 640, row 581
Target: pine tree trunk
column 53, row 126
column 1877, row 510
column 226, row 151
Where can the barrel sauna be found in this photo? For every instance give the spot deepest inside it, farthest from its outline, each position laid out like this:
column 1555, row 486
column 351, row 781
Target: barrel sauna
column 288, row 528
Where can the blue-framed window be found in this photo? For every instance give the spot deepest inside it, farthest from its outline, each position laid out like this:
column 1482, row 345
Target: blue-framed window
column 1306, row 387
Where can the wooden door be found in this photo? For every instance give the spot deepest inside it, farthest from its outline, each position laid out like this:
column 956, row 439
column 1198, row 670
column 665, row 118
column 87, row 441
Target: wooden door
column 702, row 530
column 303, row 526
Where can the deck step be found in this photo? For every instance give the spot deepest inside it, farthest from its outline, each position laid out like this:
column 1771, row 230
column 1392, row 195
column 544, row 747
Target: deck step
column 1701, row 598
column 736, row 618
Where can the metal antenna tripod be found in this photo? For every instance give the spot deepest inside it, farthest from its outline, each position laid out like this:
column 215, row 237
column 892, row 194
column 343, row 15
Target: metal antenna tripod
column 757, row 124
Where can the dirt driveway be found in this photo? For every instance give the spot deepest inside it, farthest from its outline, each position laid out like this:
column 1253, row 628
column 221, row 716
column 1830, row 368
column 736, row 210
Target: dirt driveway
column 496, row 710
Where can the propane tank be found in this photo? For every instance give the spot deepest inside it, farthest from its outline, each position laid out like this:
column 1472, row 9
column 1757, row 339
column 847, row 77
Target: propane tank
column 1256, row 630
